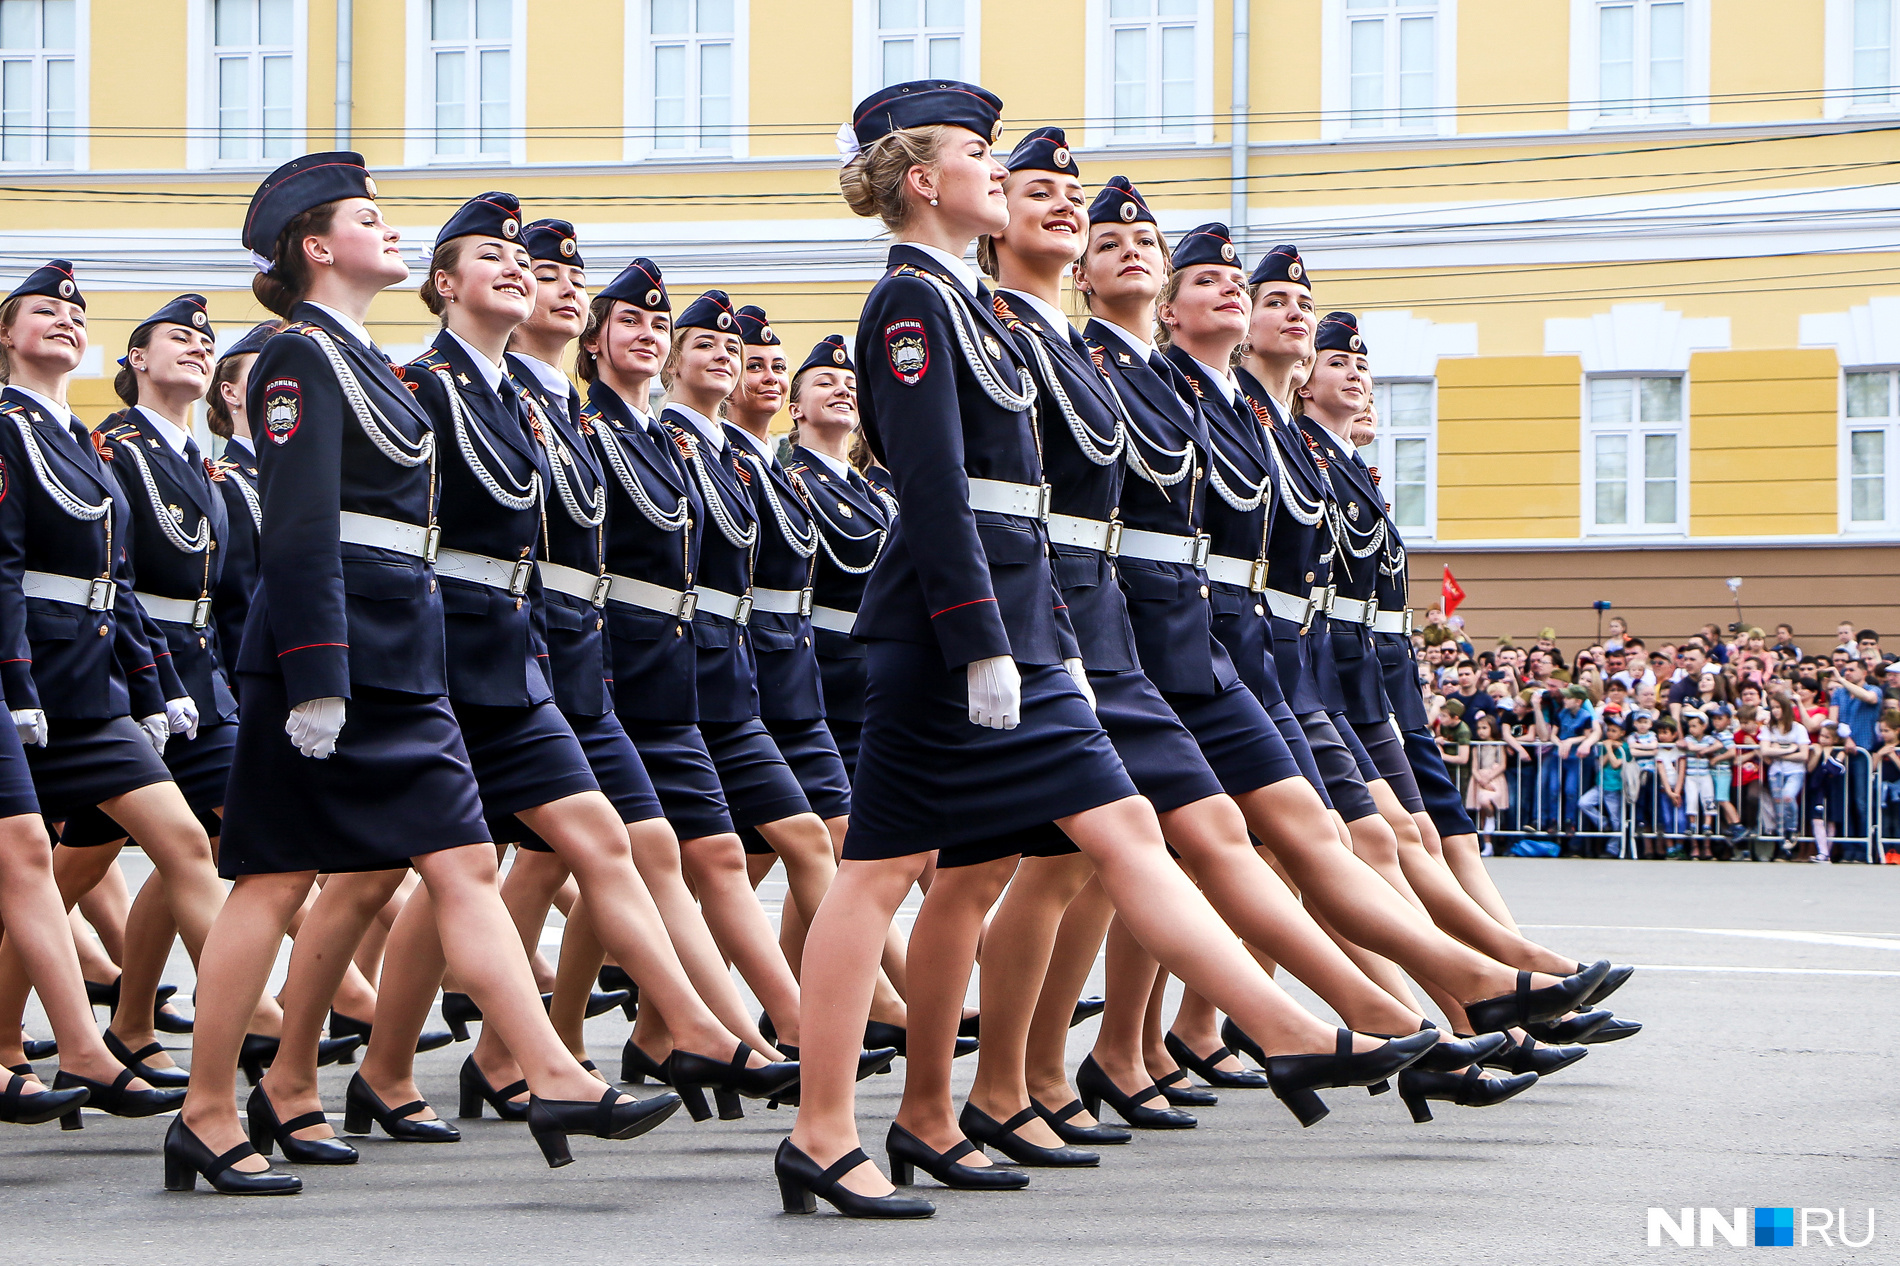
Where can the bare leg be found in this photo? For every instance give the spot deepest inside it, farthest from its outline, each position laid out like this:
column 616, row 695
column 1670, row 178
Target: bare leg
column 94, row 962
column 106, row 906
column 715, row 866
column 369, row 953
column 74, row 871
column 1132, row 974
column 1078, row 941
column 1462, row 854
column 581, row 957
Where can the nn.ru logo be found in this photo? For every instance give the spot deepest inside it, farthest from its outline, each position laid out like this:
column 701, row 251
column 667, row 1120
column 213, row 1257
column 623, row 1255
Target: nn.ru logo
column 1764, row 1227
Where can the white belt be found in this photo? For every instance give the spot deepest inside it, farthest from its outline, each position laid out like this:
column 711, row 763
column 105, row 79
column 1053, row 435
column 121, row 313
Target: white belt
column 1248, row 573
column 1352, row 610
column 1298, row 610
column 1103, row 536
column 834, row 619
column 510, row 578
column 1029, row 501
column 732, row 606
column 378, row 533
column 91, row 592
column 195, row 612
column 651, row 597
column 1399, row 622
column 1160, row 547
column 781, row 601
column 575, row 583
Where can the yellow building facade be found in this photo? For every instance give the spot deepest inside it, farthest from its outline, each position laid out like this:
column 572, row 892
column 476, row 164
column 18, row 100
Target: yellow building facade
column 1627, row 267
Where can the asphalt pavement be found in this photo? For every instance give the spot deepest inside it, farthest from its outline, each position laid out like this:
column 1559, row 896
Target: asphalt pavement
column 1764, row 1077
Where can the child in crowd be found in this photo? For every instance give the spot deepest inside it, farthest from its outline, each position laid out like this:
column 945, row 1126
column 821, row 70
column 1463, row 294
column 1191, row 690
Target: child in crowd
column 1887, row 760
column 1454, row 739
column 1783, row 748
column 1603, row 803
column 1490, row 790
column 1722, row 726
column 1827, row 779
column 1669, row 779
column 1699, row 750
column 1639, row 786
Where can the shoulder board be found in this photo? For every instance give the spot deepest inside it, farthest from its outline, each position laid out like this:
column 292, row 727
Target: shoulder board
column 121, row 431
column 906, row 270
column 429, row 360
column 303, row 327
column 798, row 468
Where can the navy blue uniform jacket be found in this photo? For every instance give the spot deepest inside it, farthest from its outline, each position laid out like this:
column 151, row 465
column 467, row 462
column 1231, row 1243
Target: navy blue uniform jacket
column 326, row 615
column 728, row 679
column 972, row 583
column 235, row 477
column 854, row 521
column 1361, row 515
column 782, row 650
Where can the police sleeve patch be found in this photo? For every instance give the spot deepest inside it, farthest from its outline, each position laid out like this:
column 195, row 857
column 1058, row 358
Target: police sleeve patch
column 3, row 481
column 909, row 351
column 283, row 409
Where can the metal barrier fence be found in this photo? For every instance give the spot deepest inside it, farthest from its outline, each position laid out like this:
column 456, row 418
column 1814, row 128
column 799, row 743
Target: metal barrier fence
column 1741, row 805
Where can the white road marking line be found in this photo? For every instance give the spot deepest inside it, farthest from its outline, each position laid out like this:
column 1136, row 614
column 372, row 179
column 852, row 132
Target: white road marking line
column 1765, row 971
column 1847, row 940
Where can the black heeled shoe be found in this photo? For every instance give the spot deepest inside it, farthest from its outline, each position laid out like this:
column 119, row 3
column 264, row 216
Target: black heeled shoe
column 1613, row 980
column 1058, row 1120
column 636, row 1066
column 458, row 1012
column 1461, row 1052
column 1575, row 1029
column 116, row 1099
column 692, row 1075
column 37, row 1048
column 1469, row 1089
column 1296, row 1078
column 23, row 1109
column 801, row 1180
column 259, row 1052
column 476, row 1091
column 1087, row 1009
column 1096, row 1088
column 598, row 1002
column 611, row 979
column 1182, row 1093
column 878, row 1034
column 985, row 1130
column 971, row 1026
column 870, row 1063
column 186, row 1158
column 552, row 1120
column 1203, row 1066
column 107, row 996
column 1529, row 1057
column 163, row 1078
column 1526, row 1005
column 361, row 1105
column 171, row 1022
column 265, row 1130
column 342, row 1026
column 1236, row 1040
column 908, row 1154
column 1615, row 1029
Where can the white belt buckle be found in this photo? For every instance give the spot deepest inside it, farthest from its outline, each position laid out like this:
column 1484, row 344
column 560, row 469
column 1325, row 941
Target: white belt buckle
column 99, row 595
column 689, row 603
column 1408, row 621
column 744, row 612
column 518, row 582
column 1257, row 576
column 200, row 613
column 1203, row 545
column 601, row 585
column 1114, row 548
column 431, row 539
column 804, row 601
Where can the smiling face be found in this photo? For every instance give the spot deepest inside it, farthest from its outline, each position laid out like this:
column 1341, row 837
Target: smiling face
column 763, row 382
column 826, row 400
column 174, row 358
column 708, row 365
column 48, row 334
column 1210, row 305
column 1124, row 263
column 632, row 342
column 492, row 282
column 1047, row 219
column 360, row 244
column 1282, row 324
column 560, row 301
column 1339, row 387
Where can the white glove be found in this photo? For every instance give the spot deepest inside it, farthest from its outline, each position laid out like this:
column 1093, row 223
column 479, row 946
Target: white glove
column 181, row 715
column 1081, row 678
column 156, row 728
column 31, row 723
column 313, row 726
column 996, row 693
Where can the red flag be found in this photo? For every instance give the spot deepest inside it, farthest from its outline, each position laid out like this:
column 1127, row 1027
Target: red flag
column 1452, row 593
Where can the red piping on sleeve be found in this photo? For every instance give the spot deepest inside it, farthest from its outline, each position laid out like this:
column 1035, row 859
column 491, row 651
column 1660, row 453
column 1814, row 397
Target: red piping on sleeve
column 972, row 602
column 313, row 646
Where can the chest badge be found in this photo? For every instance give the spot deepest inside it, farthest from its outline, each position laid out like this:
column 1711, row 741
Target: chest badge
column 1127, row 359
column 1352, row 511
column 994, row 348
column 844, row 509
column 177, row 513
column 462, row 378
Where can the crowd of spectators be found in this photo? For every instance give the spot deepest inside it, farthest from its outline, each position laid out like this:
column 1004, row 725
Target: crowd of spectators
column 1712, row 746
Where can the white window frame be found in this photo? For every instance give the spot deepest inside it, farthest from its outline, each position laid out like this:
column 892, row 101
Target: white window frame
column 81, row 59
column 1336, row 77
column 1585, row 68
column 1888, row 525
column 867, row 62
column 419, row 93
column 1586, row 464
column 201, row 88
column 1382, row 453
column 1099, row 84
column 1840, row 100
column 638, row 114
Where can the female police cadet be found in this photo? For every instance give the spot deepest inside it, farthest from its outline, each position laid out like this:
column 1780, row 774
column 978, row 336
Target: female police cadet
column 656, row 524
column 853, row 520
column 78, row 660
column 964, row 750
column 572, row 566
column 349, row 758
column 235, row 475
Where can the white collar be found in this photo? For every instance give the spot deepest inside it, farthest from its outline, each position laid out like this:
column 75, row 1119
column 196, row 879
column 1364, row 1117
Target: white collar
column 552, row 379
column 841, row 469
column 56, row 411
column 1058, row 323
column 714, row 433
column 1136, row 343
column 490, row 371
column 965, row 275
column 755, row 442
column 1225, row 377
column 351, row 326
column 168, row 432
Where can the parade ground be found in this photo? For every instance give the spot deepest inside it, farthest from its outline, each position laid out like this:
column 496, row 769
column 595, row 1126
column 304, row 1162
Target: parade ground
column 1763, row 1078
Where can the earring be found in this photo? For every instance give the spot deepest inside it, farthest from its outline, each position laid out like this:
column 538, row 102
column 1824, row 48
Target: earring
column 933, row 202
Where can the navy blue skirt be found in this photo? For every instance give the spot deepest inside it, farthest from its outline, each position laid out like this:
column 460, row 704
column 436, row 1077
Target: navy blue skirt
column 847, row 735
column 398, row 786
column 681, row 768
column 1295, row 736
column 617, row 768
column 1242, row 744
column 522, row 758
column 1349, row 735
column 202, row 769
column 816, row 764
column 86, row 762
column 1387, row 751
column 1436, row 788
column 929, row 779
column 760, row 787
column 16, row 776
column 1345, row 784
column 1159, row 752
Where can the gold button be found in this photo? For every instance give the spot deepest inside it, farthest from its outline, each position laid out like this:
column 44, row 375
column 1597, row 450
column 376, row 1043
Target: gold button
column 1258, row 609
column 804, row 641
column 432, row 585
column 678, row 629
column 214, row 543
column 1203, row 591
column 1309, row 577
column 517, row 604
column 1197, row 472
column 104, row 630
column 599, row 624
column 741, row 639
column 201, row 643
